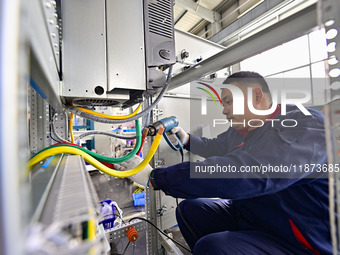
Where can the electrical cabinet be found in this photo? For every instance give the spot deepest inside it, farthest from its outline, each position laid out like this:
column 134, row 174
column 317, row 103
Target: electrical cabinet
column 112, row 50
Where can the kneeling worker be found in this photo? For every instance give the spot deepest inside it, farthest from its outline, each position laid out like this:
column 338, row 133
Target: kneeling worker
column 255, row 214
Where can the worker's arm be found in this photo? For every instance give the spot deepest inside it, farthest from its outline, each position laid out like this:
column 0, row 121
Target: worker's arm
column 206, row 147
column 141, row 177
column 287, row 147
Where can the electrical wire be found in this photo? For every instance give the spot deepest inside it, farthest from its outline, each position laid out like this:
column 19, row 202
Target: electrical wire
column 55, row 140
column 147, row 120
column 70, row 150
column 185, row 222
column 179, row 209
column 119, row 214
column 109, row 116
column 101, row 157
column 91, row 229
column 182, row 154
column 148, row 117
column 97, row 156
column 126, row 247
column 160, row 231
column 137, row 116
column 124, row 250
column 57, row 137
column 96, row 132
column 71, row 127
column 145, row 133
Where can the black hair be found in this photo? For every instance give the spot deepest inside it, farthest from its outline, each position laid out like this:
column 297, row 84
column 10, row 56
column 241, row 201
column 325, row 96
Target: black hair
column 245, row 77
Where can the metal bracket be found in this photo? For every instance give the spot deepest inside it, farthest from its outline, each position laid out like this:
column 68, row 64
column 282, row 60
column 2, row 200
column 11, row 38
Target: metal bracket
column 40, row 122
column 157, row 112
column 53, row 26
column 330, row 19
column 161, row 211
column 160, row 162
column 118, row 232
column 60, row 124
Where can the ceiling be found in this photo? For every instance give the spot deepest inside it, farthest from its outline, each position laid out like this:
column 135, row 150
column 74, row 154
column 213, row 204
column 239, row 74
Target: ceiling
column 206, row 17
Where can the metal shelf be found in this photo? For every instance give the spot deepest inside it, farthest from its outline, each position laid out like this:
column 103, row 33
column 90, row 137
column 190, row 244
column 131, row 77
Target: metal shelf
column 44, row 46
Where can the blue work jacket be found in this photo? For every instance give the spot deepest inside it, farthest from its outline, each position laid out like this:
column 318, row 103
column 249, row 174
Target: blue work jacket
column 294, row 207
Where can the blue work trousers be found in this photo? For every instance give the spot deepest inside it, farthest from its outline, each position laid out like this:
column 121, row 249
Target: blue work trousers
column 214, row 227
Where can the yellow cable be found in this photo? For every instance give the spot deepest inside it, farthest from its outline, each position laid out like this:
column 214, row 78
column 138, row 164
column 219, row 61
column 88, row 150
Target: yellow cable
column 91, row 229
column 109, row 116
column 71, row 150
column 91, row 233
column 71, row 128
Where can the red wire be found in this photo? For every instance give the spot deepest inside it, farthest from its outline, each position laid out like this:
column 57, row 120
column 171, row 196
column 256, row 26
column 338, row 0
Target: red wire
column 67, row 144
column 145, row 133
column 141, row 146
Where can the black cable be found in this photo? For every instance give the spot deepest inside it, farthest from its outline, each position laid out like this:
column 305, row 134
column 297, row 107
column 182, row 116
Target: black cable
column 57, row 141
column 185, row 222
column 54, row 132
column 179, row 209
column 160, row 231
column 51, row 114
column 120, row 217
column 182, row 154
column 126, row 247
column 56, row 136
column 118, row 214
column 97, row 132
column 53, row 135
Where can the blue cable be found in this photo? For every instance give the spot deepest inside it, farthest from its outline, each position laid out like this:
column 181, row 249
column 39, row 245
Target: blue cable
column 148, row 117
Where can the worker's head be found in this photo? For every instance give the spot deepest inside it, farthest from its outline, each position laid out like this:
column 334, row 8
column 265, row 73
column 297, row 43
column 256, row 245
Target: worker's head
column 261, row 98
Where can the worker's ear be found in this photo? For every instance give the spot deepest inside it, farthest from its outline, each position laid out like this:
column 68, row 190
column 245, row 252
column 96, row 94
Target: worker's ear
column 258, row 95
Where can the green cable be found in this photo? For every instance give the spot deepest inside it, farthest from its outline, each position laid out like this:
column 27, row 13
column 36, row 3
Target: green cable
column 104, row 158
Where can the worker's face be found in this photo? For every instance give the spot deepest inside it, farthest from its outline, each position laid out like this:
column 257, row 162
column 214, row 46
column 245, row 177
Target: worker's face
column 239, row 122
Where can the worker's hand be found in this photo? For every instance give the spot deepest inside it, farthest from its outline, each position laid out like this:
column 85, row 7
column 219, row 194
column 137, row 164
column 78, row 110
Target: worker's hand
column 141, row 177
column 182, row 135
